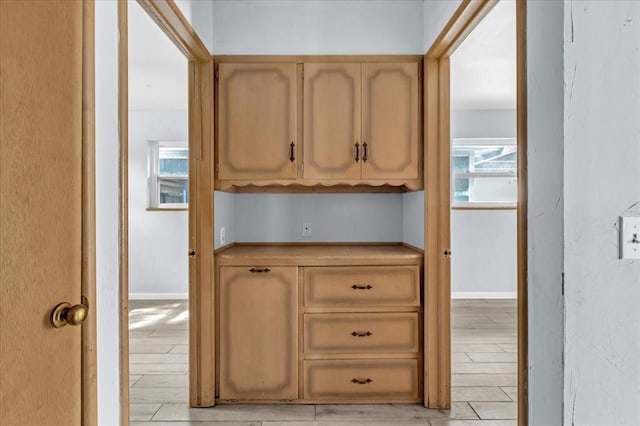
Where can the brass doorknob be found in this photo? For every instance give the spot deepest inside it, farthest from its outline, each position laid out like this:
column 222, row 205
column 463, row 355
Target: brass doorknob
column 64, row 314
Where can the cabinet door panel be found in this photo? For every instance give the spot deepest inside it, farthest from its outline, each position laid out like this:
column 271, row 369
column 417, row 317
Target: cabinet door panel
column 258, row 333
column 331, row 120
column 390, row 100
column 257, row 120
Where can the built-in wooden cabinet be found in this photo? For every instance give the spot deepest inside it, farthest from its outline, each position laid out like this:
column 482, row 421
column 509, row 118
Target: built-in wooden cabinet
column 323, row 324
column 337, row 123
column 257, row 121
column 258, row 333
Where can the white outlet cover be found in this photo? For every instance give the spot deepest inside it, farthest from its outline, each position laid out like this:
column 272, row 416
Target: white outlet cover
column 223, row 235
column 630, row 237
column 307, row 229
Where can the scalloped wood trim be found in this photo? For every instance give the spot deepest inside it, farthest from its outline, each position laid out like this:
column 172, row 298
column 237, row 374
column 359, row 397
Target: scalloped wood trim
column 318, row 186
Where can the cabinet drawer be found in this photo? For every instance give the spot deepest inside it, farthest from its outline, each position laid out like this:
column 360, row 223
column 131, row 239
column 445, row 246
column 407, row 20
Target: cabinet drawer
column 361, row 379
column 362, row 285
column 356, row 333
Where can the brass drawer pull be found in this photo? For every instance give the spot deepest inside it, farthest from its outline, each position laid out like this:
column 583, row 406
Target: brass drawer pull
column 254, row 270
column 361, row 287
column 362, row 334
column 361, row 381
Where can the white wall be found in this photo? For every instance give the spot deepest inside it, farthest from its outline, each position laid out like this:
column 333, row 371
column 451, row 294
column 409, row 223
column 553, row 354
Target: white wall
column 413, row 218
column 436, row 14
column 335, row 217
column 545, row 211
column 199, row 13
column 158, row 240
column 317, row 27
column 602, row 182
column 107, row 254
column 483, row 123
column 224, row 217
column 484, row 262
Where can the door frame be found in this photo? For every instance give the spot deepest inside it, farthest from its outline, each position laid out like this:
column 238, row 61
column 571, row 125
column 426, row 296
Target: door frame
column 173, row 23
column 437, row 136
column 89, row 360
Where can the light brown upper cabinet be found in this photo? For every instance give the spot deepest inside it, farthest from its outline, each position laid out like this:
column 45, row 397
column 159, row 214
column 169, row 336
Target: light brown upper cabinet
column 390, row 121
column 257, row 121
column 319, row 122
column 332, row 110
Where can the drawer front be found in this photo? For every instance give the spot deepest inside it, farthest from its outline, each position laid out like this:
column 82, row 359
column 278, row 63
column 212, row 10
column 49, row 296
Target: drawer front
column 362, row 286
column 395, row 379
column 357, row 333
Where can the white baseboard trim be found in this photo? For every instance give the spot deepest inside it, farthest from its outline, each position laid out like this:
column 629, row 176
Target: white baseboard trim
column 158, row 296
column 484, row 295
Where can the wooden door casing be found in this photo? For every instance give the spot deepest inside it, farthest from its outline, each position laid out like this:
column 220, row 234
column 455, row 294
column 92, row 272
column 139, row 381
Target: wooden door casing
column 257, row 121
column 332, row 105
column 390, row 121
column 258, row 333
column 41, row 140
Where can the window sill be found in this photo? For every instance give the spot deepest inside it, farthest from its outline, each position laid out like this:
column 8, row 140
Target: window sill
column 487, row 206
column 166, row 209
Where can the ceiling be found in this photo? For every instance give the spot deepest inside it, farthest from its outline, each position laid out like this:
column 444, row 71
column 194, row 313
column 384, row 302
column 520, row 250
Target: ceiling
column 157, row 69
column 483, row 68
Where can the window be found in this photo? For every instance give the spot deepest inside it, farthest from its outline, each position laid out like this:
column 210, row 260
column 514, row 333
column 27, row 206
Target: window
column 168, row 174
column 484, row 172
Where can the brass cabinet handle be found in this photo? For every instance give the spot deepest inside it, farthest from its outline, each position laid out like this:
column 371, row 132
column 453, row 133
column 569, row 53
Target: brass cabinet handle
column 292, row 155
column 258, row 270
column 362, row 334
column 361, row 381
column 64, row 314
column 364, row 154
column 357, row 152
column 361, row 287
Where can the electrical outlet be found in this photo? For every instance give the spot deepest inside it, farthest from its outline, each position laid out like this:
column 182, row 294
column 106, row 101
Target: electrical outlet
column 307, row 230
column 223, row 235
column 630, row 237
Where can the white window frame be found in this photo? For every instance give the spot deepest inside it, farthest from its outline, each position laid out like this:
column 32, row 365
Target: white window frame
column 154, row 176
column 462, row 142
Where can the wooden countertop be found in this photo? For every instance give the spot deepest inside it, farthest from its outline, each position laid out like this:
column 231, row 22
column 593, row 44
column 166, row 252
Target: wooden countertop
column 318, row 254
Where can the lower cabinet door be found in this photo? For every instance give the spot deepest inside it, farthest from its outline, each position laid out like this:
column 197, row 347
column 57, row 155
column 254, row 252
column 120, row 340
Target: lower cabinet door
column 361, row 379
column 258, row 333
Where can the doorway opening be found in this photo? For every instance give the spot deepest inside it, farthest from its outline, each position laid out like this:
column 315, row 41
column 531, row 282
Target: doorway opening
column 158, row 197
column 484, row 216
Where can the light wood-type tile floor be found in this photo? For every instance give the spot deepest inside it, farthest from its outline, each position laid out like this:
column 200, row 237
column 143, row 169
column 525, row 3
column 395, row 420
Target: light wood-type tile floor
column 483, row 365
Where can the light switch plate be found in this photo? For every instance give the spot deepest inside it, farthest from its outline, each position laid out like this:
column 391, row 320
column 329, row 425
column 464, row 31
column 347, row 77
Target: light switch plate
column 307, row 230
column 630, row 237
column 223, row 235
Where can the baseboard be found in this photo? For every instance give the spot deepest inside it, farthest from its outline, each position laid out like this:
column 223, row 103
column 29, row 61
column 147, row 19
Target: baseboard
column 484, row 295
column 158, row 296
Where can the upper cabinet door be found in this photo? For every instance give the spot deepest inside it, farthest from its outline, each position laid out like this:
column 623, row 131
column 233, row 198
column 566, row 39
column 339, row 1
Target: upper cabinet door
column 332, row 143
column 257, row 121
column 390, row 121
